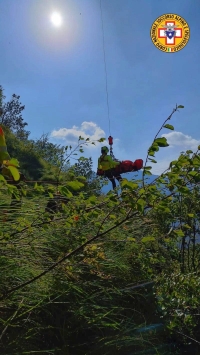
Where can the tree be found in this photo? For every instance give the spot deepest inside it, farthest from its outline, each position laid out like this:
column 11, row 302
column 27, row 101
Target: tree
column 11, row 115
column 52, row 153
column 84, row 168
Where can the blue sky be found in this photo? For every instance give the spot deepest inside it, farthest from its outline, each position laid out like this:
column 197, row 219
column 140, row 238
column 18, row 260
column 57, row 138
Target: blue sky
column 59, row 73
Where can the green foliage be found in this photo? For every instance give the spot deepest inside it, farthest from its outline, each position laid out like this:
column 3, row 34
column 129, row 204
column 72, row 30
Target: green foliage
column 169, row 126
column 83, row 168
column 11, row 116
column 179, row 298
column 48, row 151
column 79, row 281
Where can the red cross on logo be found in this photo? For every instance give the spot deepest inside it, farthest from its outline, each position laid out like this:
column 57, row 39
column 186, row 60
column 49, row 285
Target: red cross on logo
column 168, row 41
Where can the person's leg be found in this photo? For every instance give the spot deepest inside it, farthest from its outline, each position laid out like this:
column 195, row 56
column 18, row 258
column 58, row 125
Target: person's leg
column 118, row 177
column 109, row 175
column 113, row 183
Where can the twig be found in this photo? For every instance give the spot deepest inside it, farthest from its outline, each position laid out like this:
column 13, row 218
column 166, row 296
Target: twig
column 66, row 256
column 188, row 337
column 14, row 315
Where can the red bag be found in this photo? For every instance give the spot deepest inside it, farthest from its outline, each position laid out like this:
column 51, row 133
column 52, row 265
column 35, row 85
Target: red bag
column 127, row 166
column 138, row 164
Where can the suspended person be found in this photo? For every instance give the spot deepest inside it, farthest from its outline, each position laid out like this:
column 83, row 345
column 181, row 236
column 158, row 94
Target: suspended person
column 108, row 165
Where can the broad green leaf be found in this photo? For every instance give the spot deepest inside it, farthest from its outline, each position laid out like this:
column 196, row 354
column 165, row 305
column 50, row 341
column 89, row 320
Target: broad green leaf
column 186, row 226
column 190, row 151
column 180, row 106
column 64, row 190
column 173, row 162
column 148, row 239
column 141, row 204
column 169, row 126
column 112, row 216
column 92, row 199
column 167, row 210
column 151, row 153
column 14, row 162
column 14, row 172
column 93, row 214
column 81, row 178
column 152, row 187
column 147, row 172
column 153, row 160
column 179, row 232
column 154, row 147
column 148, row 167
column 2, row 178
column 24, row 192
column 75, row 185
column 161, row 142
column 129, row 184
column 131, row 239
column 196, row 161
column 101, row 140
column 191, row 215
column 184, row 190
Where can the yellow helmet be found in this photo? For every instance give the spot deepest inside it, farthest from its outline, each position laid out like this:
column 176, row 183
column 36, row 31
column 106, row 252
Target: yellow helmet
column 104, row 150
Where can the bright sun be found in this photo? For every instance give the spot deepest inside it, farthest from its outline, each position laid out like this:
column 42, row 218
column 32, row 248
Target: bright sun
column 56, row 19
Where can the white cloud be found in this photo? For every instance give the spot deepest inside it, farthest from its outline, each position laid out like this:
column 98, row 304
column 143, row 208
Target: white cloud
column 162, row 165
column 178, row 142
column 178, row 139
column 86, row 130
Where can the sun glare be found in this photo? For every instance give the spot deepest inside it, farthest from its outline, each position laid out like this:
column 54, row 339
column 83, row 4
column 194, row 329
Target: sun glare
column 56, row 19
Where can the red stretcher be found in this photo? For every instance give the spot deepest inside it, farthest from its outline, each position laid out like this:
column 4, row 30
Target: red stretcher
column 126, row 166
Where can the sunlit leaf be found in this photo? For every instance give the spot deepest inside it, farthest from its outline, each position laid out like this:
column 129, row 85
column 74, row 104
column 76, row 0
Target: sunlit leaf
column 65, row 191
column 14, row 172
column 161, row 142
column 147, row 172
column 2, row 178
column 75, row 185
column 169, row 126
column 153, row 160
column 179, row 232
column 129, row 184
column 148, row 239
column 141, row 204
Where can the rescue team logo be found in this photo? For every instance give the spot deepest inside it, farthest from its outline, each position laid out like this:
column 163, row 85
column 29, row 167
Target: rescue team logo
column 170, row 33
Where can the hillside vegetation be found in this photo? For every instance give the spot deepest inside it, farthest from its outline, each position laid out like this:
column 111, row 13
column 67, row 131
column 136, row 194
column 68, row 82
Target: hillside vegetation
column 103, row 274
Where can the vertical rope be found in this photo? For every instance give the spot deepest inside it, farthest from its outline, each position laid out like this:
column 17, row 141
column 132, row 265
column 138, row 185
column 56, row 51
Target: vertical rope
column 104, row 53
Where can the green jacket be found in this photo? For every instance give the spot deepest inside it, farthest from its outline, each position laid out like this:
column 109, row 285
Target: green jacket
column 105, row 162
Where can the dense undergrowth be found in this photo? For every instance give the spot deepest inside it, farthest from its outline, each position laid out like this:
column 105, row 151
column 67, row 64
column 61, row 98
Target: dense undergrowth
column 106, row 274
